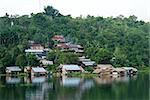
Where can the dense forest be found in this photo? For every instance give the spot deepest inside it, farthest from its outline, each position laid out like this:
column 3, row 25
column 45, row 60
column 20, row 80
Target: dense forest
column 120, row 41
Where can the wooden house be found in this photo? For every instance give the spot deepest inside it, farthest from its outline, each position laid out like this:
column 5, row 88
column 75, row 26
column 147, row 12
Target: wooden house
column 64, row 69
column 38, row 71
column 13, row 70
column 103, row 69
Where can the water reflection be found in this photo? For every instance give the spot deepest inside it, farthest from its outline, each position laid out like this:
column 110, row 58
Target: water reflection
column 71, row 81
column 105, row 80
column 75, row 88
column 77, row 82
column 13, row 80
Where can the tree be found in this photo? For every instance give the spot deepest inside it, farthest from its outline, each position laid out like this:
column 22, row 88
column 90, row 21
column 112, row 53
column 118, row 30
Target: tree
column 51, row 55
column 32, row 60
column 120, row 58
column 50, row 11
column 102, row 56
column 15, row 52
column 21, row 60
column 67, row 58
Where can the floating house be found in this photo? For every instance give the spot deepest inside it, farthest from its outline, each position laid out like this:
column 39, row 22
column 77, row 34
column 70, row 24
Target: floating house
column 103, row 69
column 38, row 71
column 64, row 69
column 13, row 70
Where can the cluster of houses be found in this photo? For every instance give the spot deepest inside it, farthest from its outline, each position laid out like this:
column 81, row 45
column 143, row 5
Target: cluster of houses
column 108, row 69
column 61, row 44
column 40, row 52
column 101, row 69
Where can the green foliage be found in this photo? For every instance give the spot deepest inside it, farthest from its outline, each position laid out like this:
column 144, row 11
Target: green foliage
column 51, row 55
column 21, row 60
column 89, row 69
column 52, row 68
column 50, row 11
column 100, row 55
column 32, row 60
column 120, row 58
column 121, row 41
column 67, row 58
column 62, row 57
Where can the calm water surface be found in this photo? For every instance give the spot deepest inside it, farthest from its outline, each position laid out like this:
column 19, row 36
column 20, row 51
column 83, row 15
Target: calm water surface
column 74, row 88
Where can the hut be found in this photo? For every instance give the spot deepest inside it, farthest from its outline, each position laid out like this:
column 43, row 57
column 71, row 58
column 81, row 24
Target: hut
column 103, row 69
column 13, row 70
column 64, row 69
column 38, row 71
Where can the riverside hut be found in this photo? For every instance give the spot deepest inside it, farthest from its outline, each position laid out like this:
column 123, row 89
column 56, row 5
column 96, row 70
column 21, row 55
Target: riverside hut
column 13, row 70
column 70, row 68
column 38, row 71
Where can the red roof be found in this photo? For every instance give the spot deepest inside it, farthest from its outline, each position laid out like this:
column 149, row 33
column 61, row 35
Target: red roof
column 62, row 45
column 58, row 38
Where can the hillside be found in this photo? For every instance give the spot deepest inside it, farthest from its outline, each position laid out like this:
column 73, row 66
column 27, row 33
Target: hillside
column 120, row 41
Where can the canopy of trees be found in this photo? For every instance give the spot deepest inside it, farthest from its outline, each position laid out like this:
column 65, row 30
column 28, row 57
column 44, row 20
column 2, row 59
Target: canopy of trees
column 120, row 41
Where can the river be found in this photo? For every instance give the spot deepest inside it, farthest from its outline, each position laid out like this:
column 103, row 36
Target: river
column 75, row 88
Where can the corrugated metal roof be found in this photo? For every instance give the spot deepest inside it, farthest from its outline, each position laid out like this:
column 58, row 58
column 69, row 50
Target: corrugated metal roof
column 39, row 69
column 89, row 63
column 84, row 60
column 71, row 67
column 31, row 50
column 13, row 68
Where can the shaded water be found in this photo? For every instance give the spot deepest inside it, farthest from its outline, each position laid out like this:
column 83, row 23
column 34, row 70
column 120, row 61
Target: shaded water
column 74, row 88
